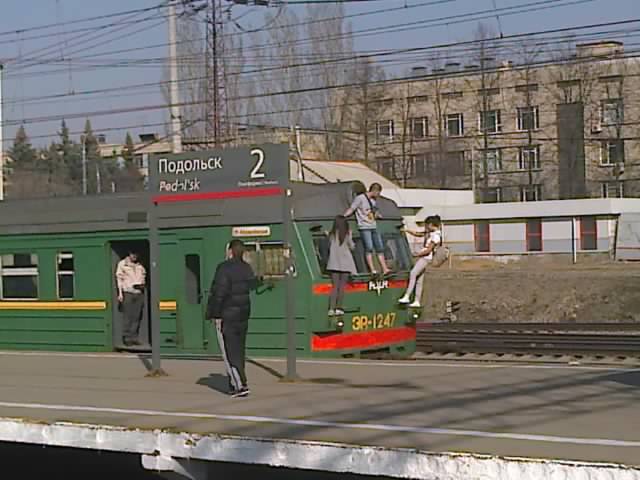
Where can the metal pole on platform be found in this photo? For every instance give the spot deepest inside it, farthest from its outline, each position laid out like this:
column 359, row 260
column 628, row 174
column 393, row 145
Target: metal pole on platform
column 290, row 306
column 154, row 287
column 152, row 213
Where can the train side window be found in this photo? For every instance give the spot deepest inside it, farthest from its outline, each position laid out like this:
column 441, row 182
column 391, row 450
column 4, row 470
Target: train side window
column 19, row 274
column 192, row 278
column 65, row 272
column 267, row 259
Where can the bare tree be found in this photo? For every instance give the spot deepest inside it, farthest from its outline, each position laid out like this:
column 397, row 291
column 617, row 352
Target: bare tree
column 365, row 105
column 489, row 81
column 528, row 54
column 403, row 165
column 332, row 41
column 283, row 69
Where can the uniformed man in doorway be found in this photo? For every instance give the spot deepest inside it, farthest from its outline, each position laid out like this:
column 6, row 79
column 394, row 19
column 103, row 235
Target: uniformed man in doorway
column 229, row 306
column 131, row 281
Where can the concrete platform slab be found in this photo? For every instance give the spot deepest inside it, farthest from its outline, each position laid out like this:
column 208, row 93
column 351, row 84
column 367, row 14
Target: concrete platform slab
column 575, row 414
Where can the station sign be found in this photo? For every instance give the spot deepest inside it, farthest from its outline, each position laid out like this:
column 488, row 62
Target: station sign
column 235, row 171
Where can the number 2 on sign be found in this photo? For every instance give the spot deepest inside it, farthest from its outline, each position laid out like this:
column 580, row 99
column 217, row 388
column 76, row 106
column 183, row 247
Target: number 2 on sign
column 256, row 173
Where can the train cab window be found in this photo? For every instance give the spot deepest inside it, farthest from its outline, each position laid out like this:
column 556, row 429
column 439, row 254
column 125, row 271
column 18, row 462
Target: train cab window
column 65, row 273
column 396, row 253
column 266, row 258
column 19, row 276
column 192, row 278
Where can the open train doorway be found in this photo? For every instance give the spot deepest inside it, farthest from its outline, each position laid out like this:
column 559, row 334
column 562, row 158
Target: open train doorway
column 120, row 249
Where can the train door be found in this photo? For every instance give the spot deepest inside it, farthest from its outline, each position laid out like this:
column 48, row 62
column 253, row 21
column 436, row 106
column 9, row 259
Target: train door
column 191, row 296
column 119, row 250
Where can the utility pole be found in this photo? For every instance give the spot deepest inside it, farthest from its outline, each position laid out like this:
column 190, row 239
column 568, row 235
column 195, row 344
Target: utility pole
column 217, row 124
column 84, row 164
column 176, row 127
column 214, row 85
column 1, row 138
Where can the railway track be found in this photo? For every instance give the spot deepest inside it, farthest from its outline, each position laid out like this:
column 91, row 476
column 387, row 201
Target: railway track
column 561, row 339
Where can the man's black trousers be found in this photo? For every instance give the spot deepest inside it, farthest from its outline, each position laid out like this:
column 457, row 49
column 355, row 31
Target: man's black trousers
column 232, row 338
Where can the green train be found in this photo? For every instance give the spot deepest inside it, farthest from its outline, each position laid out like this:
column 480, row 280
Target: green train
column 58, row 258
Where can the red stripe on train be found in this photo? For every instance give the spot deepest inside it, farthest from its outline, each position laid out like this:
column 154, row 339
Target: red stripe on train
column 241, row 193
column 360, row 340
column 325, row 288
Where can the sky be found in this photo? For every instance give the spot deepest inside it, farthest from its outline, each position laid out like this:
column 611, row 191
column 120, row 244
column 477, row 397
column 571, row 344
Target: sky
column 71, row 56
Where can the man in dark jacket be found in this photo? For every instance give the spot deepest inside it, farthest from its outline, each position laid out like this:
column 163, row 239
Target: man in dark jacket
column 230, row 306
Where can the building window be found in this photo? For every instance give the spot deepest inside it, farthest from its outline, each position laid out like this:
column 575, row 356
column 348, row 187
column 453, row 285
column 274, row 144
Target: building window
column 454, row 125
column 611, row 112
column 482, row 236
column 404, row 168
column 419, row 127
column 528, row 119
column 19, row 276
column 611, row 152
column 530, row 193
column 418, row 99
column 490, row 121
column 385, row 167
column 492, row 195
column 529, row 158
column 65, row 271
column 494, row 160
column 384, row 131
column 534, row 235
column 424, row 164
column 457, row 164
column 588, row 233
column 612, row 190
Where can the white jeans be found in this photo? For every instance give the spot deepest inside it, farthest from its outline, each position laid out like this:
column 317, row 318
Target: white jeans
column 416, row 278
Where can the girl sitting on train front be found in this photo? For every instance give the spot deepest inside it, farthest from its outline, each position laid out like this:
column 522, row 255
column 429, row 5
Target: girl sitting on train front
column 340, row 264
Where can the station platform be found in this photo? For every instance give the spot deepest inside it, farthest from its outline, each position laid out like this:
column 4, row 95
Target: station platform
column 413, row 419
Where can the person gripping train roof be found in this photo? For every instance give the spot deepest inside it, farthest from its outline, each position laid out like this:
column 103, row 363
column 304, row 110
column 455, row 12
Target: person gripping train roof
column 365, row 207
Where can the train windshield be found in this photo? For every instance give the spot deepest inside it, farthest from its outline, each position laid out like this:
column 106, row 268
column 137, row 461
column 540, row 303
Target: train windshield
column 396, row 253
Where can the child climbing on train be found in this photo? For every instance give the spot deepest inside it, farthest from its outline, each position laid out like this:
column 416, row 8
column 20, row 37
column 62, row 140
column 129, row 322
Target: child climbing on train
column 432, row 240
column 340, row 264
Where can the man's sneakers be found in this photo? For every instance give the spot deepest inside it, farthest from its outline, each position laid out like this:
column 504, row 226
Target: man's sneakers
column 243, row 392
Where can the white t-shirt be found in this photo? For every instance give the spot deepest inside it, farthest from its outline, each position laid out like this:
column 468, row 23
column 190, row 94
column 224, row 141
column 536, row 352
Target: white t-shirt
column 434, row 238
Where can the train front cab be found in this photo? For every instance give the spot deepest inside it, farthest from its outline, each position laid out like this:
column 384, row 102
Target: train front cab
column 373, row 323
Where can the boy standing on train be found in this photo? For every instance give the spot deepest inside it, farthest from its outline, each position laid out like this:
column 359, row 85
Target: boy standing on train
column 365, row 206
column 230, row 307
column 131, row 280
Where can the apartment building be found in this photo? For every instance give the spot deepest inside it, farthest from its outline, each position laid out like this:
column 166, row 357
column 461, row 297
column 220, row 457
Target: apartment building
column 541, row 130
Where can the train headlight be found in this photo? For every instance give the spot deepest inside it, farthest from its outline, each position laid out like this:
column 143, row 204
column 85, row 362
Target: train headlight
column 340, row 324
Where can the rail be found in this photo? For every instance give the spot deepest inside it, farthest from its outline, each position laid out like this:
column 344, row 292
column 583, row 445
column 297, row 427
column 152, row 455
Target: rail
column 611, row 339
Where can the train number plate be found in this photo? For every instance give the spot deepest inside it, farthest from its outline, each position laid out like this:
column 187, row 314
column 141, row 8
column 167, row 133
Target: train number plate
column 373, row 322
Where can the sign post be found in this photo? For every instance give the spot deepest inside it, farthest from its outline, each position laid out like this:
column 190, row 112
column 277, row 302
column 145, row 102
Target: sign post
column 215, row 175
